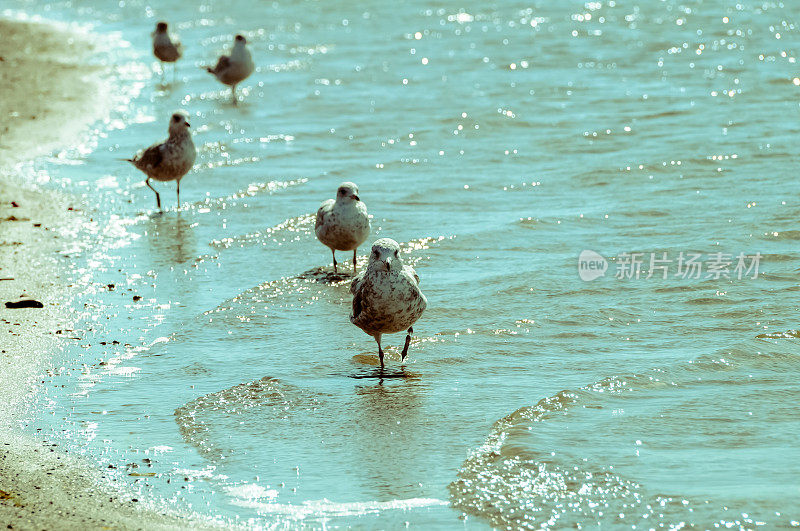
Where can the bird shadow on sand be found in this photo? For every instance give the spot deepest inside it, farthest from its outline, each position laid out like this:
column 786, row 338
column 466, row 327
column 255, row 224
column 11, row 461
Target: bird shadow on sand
column 324, row 275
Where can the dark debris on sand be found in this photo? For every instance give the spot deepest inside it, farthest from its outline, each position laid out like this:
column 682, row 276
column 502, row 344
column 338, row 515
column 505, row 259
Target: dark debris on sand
column 26, row 303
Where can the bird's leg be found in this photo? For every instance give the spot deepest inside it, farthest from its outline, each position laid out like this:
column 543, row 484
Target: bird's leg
column 233, row 94
column 380, row 350
column 179, row 194
column 354, row 260
column 408, row 342
column 173, row 72
column 334, row 261
column 158, row 197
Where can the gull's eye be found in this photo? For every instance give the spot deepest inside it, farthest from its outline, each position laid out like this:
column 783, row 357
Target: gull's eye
column 175, row 117
column 397, row 253
column 375, row 253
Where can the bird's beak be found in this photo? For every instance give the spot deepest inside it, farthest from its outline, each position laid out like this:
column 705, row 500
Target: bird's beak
column 188, row 124
column 388, row 263
column 356, row 198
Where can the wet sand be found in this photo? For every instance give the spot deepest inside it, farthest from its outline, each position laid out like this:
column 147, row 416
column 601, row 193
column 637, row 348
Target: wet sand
column 47, row 99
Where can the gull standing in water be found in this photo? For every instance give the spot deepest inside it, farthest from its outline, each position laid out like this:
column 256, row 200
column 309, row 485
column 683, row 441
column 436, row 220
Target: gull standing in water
column 343, row 224
column 386, row 295
column 169, row 160
column 165, row 48
column 234, row 68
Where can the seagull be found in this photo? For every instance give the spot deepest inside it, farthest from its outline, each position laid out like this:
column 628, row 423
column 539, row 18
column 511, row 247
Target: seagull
column 343, row 224
column 232, row 70
column 169, row 160
column 165, row 49
column 387, row 298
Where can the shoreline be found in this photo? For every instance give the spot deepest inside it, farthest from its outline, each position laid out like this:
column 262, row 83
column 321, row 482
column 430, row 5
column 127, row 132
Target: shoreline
column 44, row 91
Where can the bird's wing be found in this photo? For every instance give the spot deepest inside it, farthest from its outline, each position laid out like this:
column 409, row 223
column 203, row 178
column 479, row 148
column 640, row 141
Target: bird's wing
column 324, row 208
column 222, row 63
column 150, row 157
column 359, row 301
column 357, row 305
column 408, row 270
column 355, row 285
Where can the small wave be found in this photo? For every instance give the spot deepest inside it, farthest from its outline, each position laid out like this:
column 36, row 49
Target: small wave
column 220, row 411
column 555, row 464
column 326, row 508
column 788, row 334
column 783, row 235
column 514, row 488
column 709, row 300
column 252, row 190
column 775, row 257
column 295, row 228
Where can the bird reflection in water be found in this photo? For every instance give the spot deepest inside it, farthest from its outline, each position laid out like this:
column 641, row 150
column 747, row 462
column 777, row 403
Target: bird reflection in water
column 172, row 239
column 387, row 426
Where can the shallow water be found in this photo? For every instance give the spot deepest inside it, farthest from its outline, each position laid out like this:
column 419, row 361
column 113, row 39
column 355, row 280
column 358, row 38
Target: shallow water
column 495, row 142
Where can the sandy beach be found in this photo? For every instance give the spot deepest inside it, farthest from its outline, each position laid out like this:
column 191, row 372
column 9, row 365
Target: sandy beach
column 47, row 99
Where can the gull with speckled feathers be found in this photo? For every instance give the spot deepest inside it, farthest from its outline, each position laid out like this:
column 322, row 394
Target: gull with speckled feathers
column 343, row 223
column 166, row 48
column 234, row 68
column 386, row 295
column 170, row 160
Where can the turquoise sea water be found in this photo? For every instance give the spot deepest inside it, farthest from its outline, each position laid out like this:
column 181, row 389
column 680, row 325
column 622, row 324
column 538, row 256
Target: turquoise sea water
column 496, row 142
